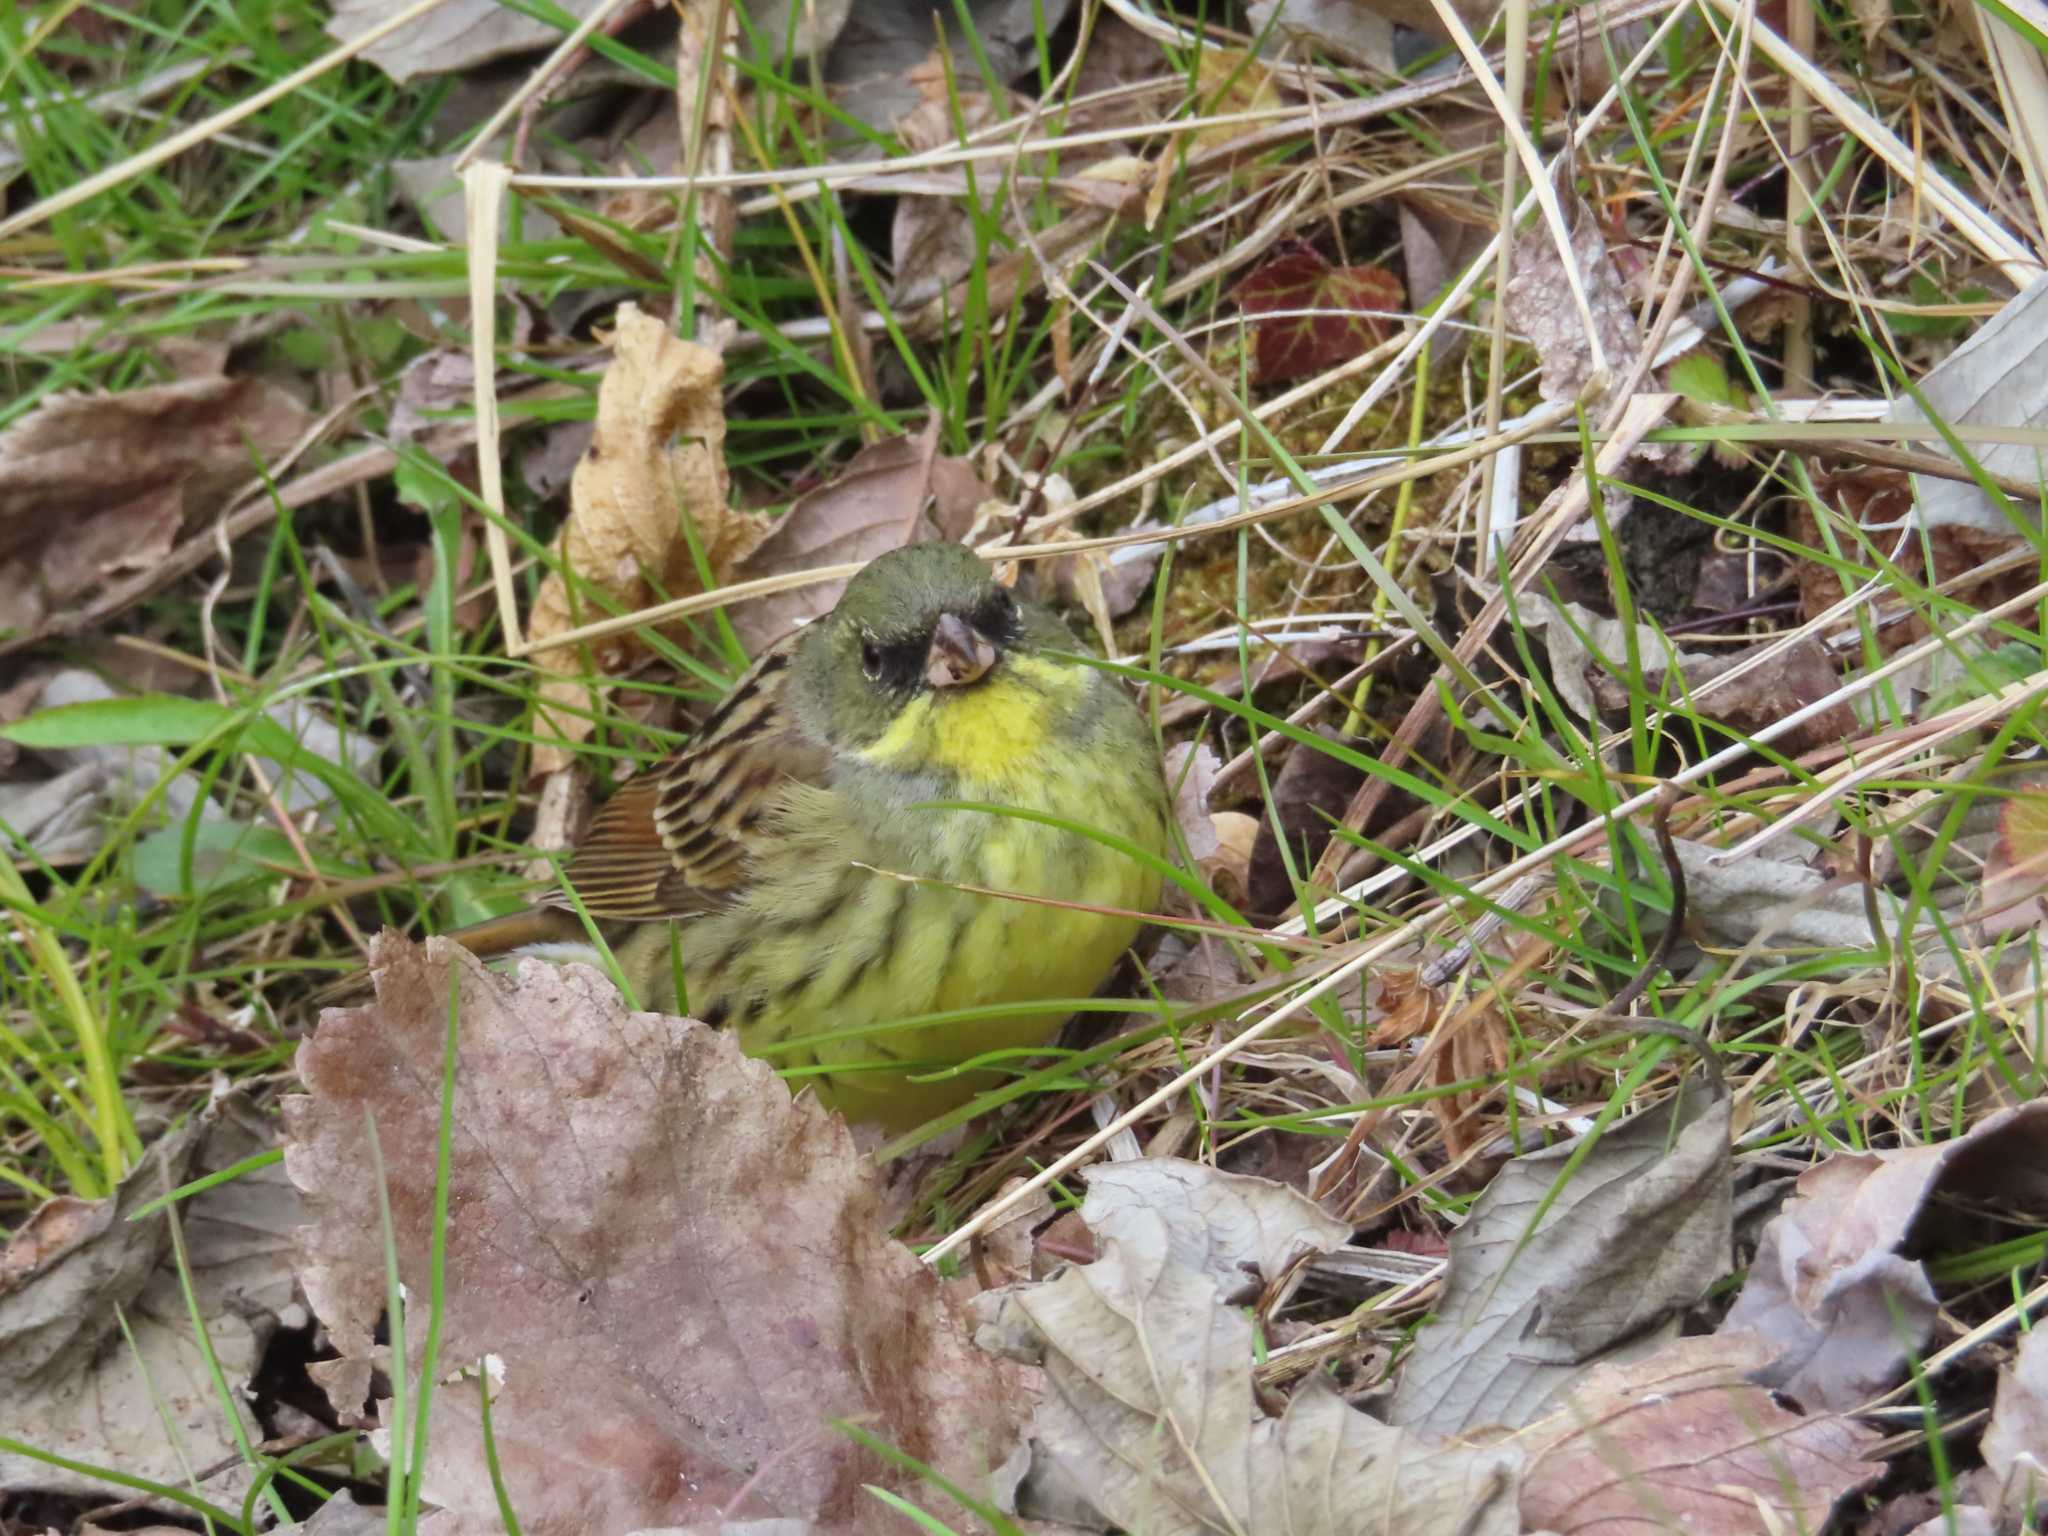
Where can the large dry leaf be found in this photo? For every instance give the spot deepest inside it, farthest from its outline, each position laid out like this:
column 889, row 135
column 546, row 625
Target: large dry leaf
column 1149, row 1409
column 1682, row 1440
column 95, row 486
column 1832, row 1292
column 71, row 1384
column 684, row 1273
column 653, row 474
column 1552, row 1270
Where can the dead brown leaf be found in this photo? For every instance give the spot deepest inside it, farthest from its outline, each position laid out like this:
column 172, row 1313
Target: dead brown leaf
column 1762, row 696
column 1403, row 1006
column 1833, row 1294
column 2015, row 1444
column 1149, row 1410
column 1219, row 843
column 932, row 242
column 95, row 486
column 886, row 46
column 1557, row 1266
column 1108, row 582
column 1310, row 794
column 1197, row 970
column 1595, row 674
column 1474, row 1049
column 454, row 36
column 1344, row 28
column 1880, row 501
column 653, row 476
column 1540, row 305
column 70, row 1383
column 2009, row 900
column 683, row 1271
column 1681, row 1440
column 877, row 503
column 436, row 385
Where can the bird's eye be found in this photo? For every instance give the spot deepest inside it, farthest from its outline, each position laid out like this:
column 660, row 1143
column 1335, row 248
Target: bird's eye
column 997, row 614
column 871, row 657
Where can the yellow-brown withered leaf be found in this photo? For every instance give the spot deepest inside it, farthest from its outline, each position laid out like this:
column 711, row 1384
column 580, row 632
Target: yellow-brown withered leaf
column 655, row 470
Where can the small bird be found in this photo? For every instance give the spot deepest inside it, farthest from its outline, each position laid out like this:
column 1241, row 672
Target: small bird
column 768, row 857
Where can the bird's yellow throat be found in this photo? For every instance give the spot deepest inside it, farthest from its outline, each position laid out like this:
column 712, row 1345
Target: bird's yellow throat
column 986, row 733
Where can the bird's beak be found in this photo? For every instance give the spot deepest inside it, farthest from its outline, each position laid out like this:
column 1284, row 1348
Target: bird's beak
column 959, row 655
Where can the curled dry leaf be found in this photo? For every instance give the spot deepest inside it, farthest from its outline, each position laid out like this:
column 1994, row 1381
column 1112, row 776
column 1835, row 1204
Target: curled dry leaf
column 1219, row 842
column 1466, row 1043
column 683, row 1272
column 1191, row 770
column 1539, row 303
column 94, row 486
column 653, row 473
column 1149, row 1408
column 1558, row 1266
column 1681, row 1439
column 1833, row 1295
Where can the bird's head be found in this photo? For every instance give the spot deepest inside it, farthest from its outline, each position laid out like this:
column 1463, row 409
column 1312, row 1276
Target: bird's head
column 924, row 621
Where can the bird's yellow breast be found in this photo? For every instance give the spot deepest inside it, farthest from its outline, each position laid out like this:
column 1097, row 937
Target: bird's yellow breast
column 832, row 939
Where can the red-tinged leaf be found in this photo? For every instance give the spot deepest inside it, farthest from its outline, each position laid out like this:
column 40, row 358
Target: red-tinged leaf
column 1294, row 344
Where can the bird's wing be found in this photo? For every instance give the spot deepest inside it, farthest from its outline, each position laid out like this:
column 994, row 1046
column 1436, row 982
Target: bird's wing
column 676, row 839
